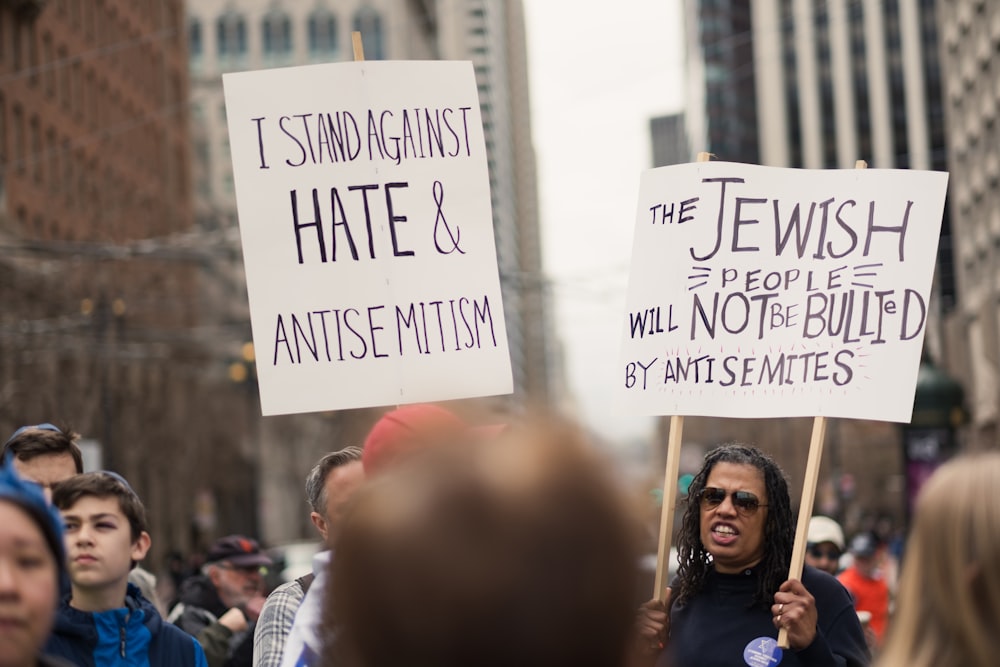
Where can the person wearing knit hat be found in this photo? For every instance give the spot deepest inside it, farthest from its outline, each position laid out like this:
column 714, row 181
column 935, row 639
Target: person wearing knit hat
column 31, row 566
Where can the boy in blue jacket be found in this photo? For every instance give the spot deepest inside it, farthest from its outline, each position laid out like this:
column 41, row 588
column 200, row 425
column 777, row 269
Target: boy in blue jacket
column 106, row 621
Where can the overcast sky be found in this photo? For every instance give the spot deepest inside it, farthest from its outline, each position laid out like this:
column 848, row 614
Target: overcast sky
column 597, row 77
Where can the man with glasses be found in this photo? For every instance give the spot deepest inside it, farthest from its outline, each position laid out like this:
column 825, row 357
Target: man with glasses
column 731, row 598
column 825, row 544
column 44, row 454
column 221, row 605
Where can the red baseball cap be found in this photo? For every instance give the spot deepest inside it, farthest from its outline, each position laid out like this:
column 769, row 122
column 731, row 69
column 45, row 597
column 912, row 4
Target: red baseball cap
column 412, row 427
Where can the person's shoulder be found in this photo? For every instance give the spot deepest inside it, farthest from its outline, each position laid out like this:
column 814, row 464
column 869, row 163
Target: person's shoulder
column 173, row 641
column 848, row 576
column 820, row 583
column 170, row 633
column 289, row 589
column 810, row 573
column 70, row 621
column 282, row 601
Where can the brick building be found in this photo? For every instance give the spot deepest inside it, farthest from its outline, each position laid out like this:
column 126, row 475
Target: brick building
column 98, row 278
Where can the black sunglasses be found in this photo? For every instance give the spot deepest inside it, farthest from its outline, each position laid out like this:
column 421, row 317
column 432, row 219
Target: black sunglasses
column 817, row 552
column 746, row 503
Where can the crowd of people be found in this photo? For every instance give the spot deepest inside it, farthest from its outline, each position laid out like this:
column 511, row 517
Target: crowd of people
column 448, row 545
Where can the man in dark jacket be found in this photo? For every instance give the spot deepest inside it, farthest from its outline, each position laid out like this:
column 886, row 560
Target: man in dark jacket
column 220, row 606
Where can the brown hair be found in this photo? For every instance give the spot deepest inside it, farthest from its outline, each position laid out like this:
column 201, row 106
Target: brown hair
column 513, row 551
column 103, row 484
column 29, row 442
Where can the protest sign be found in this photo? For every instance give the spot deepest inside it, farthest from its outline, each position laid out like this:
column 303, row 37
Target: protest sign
column 364, row 210
column 765, row 292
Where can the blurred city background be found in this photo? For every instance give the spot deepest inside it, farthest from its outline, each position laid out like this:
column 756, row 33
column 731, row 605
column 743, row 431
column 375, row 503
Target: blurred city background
column 124, row 309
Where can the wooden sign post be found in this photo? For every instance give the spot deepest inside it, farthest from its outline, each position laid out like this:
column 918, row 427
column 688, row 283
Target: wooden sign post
column 805, row 509
column 359, row 49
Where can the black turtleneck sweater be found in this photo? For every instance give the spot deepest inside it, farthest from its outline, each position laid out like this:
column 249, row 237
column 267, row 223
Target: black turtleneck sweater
column 721, row 627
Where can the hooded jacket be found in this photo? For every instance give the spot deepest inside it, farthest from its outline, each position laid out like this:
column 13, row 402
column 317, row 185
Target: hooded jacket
column 131, row 636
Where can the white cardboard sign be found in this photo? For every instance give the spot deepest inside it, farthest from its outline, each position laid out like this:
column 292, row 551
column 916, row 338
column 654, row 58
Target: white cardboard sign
column 365, row 216
column 764, row 292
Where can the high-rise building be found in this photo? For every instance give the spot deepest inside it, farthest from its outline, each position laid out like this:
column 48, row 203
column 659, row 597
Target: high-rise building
column 841, row 82
column 820, row 85
column 838, row 82
column 669, row 140
column 970, row 65
column 233, row 35
column 721, row 113
column 238, row 35
column 491, row 33
column 255, row 34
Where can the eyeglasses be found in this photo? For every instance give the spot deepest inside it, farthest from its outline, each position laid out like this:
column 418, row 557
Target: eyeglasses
column 818, row 552
column 745, row 502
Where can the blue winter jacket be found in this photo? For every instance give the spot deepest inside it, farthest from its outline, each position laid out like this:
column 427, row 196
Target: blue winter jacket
column 132, row 636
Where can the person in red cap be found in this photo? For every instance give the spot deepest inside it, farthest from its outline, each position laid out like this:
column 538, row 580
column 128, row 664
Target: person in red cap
column 220, row 606
column 408, row 429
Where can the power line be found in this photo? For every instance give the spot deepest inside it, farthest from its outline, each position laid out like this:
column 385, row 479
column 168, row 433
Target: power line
column 114, row 47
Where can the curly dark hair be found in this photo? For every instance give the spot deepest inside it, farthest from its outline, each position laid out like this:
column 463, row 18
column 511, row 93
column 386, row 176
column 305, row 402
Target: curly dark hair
column 779, row 531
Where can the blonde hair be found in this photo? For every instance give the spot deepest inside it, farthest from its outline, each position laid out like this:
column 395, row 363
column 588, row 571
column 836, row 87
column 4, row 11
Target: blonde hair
column 949, row 598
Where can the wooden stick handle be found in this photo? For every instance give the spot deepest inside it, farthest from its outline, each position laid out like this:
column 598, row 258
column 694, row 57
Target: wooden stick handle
column 359, row 49
column 669, row 505
column 805, row 509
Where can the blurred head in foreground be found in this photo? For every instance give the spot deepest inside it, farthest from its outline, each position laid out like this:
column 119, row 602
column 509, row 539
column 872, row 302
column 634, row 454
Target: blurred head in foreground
column 31, row 565
column 513, row 550
column 948, row 610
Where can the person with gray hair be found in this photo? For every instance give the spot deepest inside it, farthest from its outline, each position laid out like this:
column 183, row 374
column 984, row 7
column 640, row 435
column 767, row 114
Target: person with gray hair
column 330, row 486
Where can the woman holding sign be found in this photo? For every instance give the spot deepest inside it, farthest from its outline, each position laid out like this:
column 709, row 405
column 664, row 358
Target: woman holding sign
column 730, row 597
